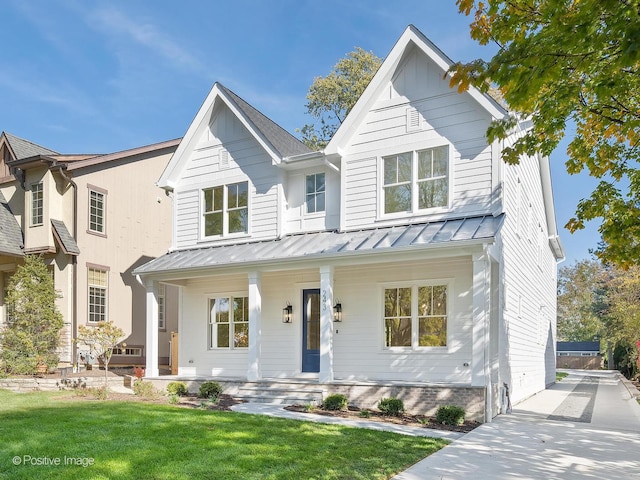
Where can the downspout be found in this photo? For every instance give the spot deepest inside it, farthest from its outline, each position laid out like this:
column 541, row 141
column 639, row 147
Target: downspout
column 74, row 263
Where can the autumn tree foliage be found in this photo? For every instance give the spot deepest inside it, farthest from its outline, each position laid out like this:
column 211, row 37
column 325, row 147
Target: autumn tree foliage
column 32, row 334
column 331, row 98
column 570, row 61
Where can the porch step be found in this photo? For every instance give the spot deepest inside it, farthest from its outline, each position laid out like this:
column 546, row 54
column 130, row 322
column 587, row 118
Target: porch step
column 279, row 395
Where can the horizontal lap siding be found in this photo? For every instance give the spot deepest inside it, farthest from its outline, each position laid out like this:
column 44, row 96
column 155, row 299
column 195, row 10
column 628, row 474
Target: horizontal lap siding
column 448, row 118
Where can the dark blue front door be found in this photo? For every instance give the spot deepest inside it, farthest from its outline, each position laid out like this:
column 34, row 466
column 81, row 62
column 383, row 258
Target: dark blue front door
column 311, row 330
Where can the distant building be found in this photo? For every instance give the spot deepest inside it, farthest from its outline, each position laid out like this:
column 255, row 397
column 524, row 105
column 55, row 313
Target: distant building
column 582, row 355
column 93, row 218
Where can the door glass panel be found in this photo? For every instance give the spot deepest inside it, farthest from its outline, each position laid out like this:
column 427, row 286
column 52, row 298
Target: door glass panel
column 313, row 321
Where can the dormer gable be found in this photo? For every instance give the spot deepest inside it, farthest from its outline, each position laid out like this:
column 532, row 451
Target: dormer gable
column 277, row 142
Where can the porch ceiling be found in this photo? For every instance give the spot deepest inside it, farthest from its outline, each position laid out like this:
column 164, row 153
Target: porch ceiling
column 330, row 244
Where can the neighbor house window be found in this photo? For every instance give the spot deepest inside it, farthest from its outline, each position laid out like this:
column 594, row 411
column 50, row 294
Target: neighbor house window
column 128, row 351
column 229, row 322
column 98, row 285
column 37, row 204
column 226, row 209
column 415, row 181
column 315, row 193
column 161, row 305
column 97, row 201
column 415, row 316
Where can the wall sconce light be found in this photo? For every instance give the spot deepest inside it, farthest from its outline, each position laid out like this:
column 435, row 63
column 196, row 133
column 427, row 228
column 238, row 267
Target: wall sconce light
column 337, row 312
column 287, row 313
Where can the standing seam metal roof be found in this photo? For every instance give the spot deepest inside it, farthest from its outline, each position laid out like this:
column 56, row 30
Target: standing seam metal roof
column 292, row 247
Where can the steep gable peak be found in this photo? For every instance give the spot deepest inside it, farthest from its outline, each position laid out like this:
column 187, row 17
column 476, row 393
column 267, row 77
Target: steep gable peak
column 410, row 40
column 276, row 141
column 21, row 148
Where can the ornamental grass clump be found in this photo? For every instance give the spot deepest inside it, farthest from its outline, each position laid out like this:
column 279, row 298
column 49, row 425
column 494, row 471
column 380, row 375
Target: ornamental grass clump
column 450, row 415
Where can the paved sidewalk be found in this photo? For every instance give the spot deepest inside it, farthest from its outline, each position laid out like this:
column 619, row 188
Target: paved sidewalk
column 585, row 427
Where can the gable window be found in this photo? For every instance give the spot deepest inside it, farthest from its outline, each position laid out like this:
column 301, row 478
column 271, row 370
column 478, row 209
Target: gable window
column 97, row 202
column 315, row 193
column 415, row 181
column 415, row 316
column 37, row 204
column 226, row 209
column 229, row 322
column 161, row 305
column 97, row 285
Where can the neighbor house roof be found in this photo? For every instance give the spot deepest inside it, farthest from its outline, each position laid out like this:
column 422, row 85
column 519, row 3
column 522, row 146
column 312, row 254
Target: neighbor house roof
column 330, row 244
column 11, row 242
column 64, row 238
column 22, row 148
column 578, row 346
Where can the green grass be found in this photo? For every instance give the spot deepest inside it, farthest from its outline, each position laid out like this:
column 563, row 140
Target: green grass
column 150, row 441
column 561, row 375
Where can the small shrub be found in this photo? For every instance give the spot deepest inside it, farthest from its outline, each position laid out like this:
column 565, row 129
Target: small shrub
column 336, row 401
column 173, row 399
column 177, row 388
column 391, row 406
column 145, row 389
column 308, row 407
column 99, row 393
column 210, row 390
column 450, row 415
column 138, row 372
column 364, row 413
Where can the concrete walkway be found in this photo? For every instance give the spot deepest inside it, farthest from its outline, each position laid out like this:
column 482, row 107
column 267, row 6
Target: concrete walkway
column 585, row 427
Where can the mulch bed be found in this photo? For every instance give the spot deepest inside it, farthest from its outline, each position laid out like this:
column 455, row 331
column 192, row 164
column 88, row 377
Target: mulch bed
column 354, row 413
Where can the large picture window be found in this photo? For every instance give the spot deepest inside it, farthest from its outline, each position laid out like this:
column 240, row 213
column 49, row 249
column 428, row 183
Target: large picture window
column 229, row 322
column 37, row 204
column 415, row 316
column 226, row 209
column 414, row 181
column 98, row 285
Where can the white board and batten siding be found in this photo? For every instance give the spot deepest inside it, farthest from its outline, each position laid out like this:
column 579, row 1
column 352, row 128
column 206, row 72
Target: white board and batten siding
column 417, row 111
column 227, row 153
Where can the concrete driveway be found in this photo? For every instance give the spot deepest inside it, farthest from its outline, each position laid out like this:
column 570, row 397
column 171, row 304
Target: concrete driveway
column 585, row 427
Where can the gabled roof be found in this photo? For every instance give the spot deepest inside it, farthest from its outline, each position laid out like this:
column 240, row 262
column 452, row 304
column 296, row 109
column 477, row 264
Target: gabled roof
column 410, row 38
column 328, row 245
column 272, row 137
column 64, row 238
column 21, row 148
column 11, row 241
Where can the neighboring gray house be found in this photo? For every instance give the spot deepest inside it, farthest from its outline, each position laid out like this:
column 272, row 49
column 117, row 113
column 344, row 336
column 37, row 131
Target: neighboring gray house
column 404, row 259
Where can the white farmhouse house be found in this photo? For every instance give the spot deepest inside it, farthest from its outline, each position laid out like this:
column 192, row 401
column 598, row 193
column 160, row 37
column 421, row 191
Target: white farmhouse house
column 406, row 259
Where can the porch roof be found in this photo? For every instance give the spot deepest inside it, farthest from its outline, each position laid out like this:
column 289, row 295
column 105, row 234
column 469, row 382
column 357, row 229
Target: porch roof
column 330, row 244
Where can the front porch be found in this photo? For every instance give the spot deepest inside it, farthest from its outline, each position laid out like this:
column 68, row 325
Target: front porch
column 418, row 397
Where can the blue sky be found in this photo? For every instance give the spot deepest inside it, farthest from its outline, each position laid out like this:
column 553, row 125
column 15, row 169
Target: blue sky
column 86, row 76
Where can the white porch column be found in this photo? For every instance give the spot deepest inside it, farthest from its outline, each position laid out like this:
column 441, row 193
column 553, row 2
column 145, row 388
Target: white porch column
column 255, row 317
column 326, row 324
column 480, row 374
column 152, row 329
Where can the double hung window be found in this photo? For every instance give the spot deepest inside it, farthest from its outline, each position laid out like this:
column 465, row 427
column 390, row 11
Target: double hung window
column 226, row 209
column 229, row 322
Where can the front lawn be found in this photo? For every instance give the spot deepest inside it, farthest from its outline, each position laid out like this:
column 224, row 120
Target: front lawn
column 41, row 432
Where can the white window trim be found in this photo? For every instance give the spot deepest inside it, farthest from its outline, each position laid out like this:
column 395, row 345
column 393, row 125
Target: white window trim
column 212, row 336
column 414, row 212
column 100, row 191
column 32, row 223
column 225, row 212
column 414, row 284
column 317, row 213
column 106, row 296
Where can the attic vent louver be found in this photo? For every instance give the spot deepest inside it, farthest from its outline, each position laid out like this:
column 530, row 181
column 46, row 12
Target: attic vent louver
column 413, row 119
column 224, row 159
